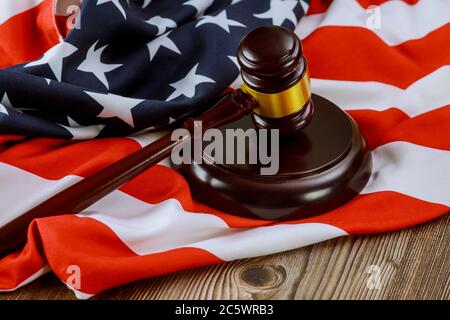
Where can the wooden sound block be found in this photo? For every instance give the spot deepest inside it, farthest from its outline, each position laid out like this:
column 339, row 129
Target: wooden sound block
column 322, row 166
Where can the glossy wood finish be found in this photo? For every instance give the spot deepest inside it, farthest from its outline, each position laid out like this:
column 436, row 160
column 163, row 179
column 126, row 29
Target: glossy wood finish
column 289, row 124
column 271, row 59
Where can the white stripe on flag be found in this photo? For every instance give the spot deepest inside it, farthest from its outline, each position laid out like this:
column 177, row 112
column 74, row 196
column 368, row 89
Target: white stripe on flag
column 21, row 191
column 424, row 95
column 402, row 167
column 148, row 229
column 407, row 168
column 36, row 190
column 399, row 21
column 10, row 8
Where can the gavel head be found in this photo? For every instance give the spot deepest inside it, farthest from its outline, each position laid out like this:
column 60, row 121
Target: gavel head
column 275, row 73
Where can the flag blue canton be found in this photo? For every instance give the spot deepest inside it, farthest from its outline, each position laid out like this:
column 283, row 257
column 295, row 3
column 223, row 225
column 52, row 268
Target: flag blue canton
column 131, row 65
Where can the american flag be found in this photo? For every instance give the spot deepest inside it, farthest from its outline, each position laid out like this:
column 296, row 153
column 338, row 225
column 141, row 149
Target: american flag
column 116, row 67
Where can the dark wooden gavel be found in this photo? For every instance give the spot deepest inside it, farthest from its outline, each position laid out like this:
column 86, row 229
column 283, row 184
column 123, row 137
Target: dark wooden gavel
column 276, row 91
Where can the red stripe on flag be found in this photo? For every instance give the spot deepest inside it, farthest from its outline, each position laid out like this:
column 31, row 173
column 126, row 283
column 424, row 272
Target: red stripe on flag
column 375, row 125
column 318, row 6
column 18, row 267
column 321, row 6
column 92, row 246
column 6, row 141
column 429, row 129
column 74, row 241
column 26, row 36
column 380, row 212
column 357, row 54
column 178, row 189
column 368, row 3
column 53, row 159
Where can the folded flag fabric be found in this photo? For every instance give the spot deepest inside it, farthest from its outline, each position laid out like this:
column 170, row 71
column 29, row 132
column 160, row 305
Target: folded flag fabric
column 128, row 65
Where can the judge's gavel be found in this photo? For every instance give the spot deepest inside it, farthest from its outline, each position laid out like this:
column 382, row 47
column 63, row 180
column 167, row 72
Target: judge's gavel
column 276, row 91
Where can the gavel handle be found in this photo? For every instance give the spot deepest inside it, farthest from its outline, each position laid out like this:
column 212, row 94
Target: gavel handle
column 93, row 188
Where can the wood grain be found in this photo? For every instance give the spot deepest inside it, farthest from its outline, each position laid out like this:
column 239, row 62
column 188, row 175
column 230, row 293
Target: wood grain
column 413, row 264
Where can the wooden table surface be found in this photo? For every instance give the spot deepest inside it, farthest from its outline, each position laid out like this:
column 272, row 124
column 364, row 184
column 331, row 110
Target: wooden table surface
column 408, row 264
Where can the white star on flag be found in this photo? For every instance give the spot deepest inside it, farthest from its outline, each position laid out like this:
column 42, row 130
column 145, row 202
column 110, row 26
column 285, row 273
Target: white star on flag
column 80, row 132
column 115, row 106
column 162, row 24
column 280, row 11
column 172, row 120
column 238, row 81
column 221, row 20
column 6, row 102
column 54, row 58
column 186, row 86
column 235, row 61
column 161, row 41
column 93, row 64
column 73, row 123
column 3, row 109
column 200, row 5
column 146, row 3
column 116, row 3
